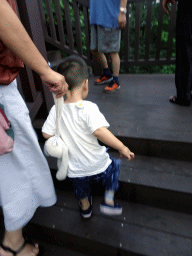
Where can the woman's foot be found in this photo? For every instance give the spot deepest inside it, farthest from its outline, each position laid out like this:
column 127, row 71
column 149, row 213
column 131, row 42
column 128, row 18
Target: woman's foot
column 174, row 99
column 24, row 249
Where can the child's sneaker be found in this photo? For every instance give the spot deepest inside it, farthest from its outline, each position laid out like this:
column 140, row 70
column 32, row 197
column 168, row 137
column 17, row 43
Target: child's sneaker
column 104, row 79
column 110, row 210
column 86, row 213
column 112, row 87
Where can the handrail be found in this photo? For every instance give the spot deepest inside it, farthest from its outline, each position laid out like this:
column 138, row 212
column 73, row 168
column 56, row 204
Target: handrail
column 73, row 32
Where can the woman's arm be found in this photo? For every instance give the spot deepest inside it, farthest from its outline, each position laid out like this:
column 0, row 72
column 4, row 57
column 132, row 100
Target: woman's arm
column 14, row 36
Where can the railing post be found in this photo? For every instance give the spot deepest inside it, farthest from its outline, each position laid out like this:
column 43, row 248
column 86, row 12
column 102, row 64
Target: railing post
column 30, row 18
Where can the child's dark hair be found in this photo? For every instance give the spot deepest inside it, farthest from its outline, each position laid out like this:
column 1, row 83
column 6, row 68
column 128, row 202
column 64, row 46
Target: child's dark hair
column 74, row 69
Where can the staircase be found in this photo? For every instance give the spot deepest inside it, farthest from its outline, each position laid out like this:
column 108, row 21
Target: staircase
column 155, row 188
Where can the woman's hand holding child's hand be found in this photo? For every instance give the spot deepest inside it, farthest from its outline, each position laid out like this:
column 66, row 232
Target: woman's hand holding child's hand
column 125, row 152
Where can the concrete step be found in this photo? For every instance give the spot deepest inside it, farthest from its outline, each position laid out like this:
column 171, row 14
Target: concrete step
column 141, row 230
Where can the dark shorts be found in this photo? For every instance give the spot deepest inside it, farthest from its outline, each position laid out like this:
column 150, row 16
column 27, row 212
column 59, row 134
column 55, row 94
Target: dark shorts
column 108, row 178
column 105, row 40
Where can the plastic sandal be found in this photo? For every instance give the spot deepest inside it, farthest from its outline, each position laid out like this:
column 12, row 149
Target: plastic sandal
column 15, row 253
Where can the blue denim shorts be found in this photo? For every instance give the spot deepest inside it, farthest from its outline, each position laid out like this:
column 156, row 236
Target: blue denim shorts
column 108, row 178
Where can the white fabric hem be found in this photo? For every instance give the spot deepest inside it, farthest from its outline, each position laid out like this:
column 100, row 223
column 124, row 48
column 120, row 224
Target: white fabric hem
column 92, row 173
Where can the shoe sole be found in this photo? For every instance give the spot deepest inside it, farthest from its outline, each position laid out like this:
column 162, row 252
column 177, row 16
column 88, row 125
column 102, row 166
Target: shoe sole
column 109, row 92
column 86, row 216
column 109, row 211
column 105, row 82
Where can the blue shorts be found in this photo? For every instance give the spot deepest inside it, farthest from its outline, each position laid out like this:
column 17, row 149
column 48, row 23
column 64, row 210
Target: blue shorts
column 108, row 178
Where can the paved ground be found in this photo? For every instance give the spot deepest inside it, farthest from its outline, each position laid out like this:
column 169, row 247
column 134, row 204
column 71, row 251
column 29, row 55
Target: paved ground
column 141, row 108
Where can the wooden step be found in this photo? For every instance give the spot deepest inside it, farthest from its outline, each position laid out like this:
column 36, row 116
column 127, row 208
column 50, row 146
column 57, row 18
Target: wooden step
column 49, row 249
column 163, row 183
column 52, row 249
column 141, row 230
column 141, row 115
column 177, row 150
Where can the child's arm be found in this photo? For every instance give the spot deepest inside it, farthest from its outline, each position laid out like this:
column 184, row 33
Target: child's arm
column 46, row 136
column 48, row 129
column 105, row 136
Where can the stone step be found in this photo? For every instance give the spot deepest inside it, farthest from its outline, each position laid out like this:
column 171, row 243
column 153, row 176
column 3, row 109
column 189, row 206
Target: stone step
column 141, row 230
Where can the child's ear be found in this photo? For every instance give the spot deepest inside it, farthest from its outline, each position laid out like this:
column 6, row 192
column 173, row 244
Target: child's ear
column 85, row 86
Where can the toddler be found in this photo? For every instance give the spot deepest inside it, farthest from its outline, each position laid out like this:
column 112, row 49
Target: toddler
column 82, row 126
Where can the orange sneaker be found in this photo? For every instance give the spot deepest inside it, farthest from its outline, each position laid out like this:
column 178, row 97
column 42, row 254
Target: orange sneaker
column 104, row 79
column 112, row 88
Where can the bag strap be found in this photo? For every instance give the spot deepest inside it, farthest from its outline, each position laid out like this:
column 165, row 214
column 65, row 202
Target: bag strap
column 3, row 114
column 59, row 107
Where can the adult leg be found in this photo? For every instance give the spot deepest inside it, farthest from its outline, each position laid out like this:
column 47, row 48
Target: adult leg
column 97, row 36
column 14, row 240
column 114, row 84
column 100, row 58
column 25, row 179
column 115, row 63
column 114, row 47
column 183, row 74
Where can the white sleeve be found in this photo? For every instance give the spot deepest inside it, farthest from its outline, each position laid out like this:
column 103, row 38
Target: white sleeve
column 96, row 119
column 49, row 126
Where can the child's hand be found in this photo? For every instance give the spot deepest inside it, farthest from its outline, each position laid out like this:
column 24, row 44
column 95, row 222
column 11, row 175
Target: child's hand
column 125, row 152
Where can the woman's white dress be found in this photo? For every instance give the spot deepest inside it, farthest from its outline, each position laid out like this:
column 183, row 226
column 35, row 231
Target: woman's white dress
column 25, row 179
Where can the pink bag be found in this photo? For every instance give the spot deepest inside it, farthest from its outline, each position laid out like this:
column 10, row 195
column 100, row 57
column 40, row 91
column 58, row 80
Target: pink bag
column 6, row 133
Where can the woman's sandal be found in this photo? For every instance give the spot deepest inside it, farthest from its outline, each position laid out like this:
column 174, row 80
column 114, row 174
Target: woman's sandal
column 15, row 253
column 174, row 99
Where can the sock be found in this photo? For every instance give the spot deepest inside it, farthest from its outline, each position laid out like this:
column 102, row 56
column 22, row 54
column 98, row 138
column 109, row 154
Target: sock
column 109, row 197
column 116, row 79
column 107, row 72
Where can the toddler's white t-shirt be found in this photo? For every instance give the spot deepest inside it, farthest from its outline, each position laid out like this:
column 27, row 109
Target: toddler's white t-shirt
column 79, row 121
